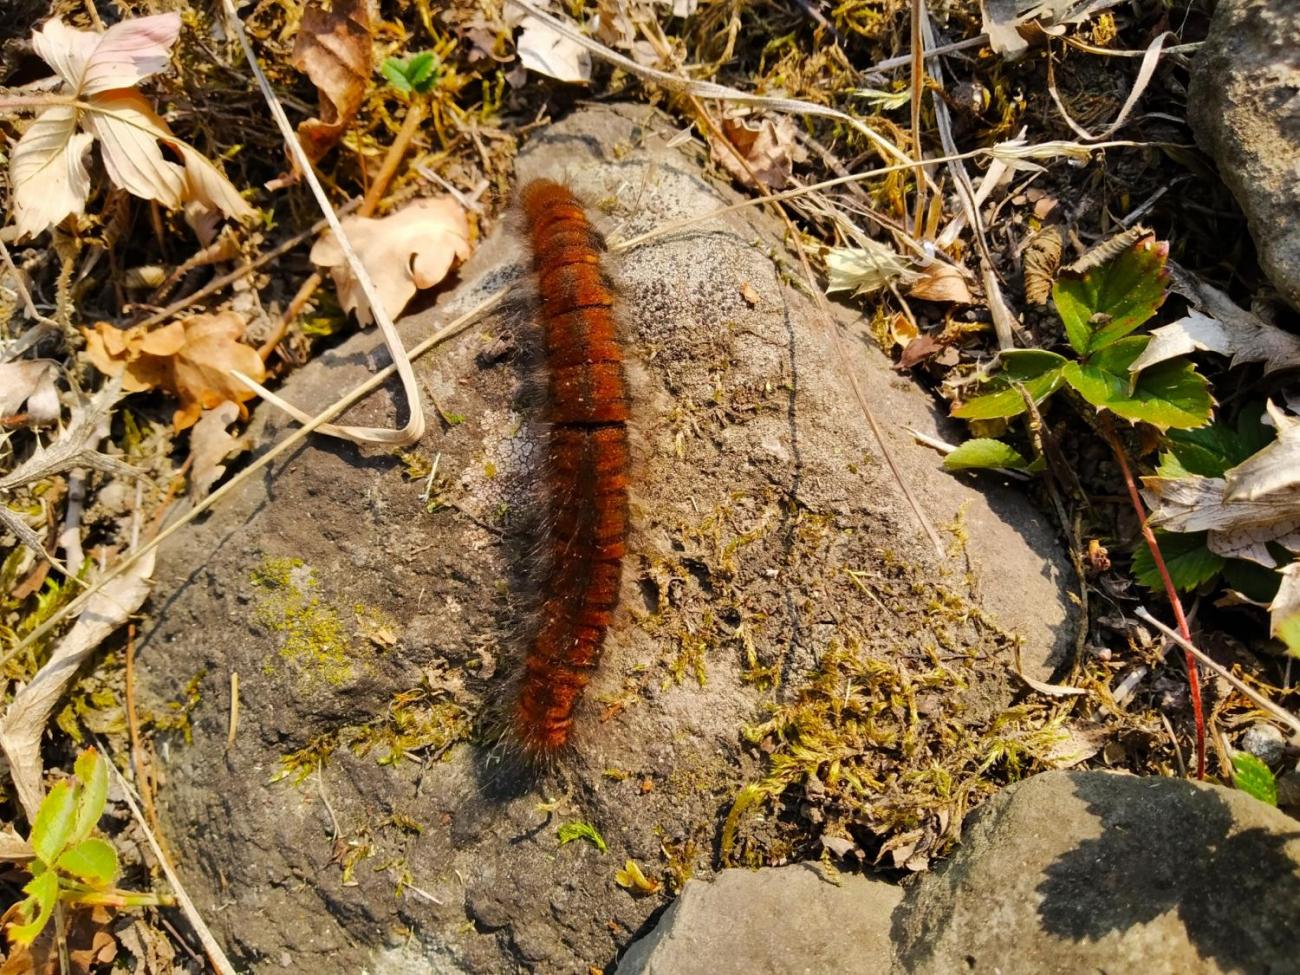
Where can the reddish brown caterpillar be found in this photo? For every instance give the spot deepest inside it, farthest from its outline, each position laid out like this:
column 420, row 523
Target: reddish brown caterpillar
column 584, row 470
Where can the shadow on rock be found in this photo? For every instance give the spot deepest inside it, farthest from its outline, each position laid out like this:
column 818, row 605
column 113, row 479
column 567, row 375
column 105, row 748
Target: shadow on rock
column 1223, row 885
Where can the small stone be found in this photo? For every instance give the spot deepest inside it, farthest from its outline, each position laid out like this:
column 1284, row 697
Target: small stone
column 1264, row 742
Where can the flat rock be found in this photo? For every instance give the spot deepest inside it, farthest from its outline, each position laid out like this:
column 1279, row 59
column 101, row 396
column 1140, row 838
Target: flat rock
column 1072, row 872
column 1244, row 106
column 796, row 920
column 372, row 614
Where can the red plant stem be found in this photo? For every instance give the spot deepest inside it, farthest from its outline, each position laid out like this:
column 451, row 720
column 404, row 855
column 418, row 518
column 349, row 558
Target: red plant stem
column 1193, row 675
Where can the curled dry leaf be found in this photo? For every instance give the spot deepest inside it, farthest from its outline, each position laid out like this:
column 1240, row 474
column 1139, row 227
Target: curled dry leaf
column 334, row 49
column 941, row 282
column 30, row 382
column 403, row 253
column 766, row 145
column 1041, row 259
column 192, row 358
column 48, row 171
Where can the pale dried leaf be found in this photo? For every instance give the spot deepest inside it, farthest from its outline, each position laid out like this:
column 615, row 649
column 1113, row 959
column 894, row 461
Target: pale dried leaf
column 1235, row 332
column 13, row 848
column 334, row 49
column 24, row 721
column 543, row 49
column 865, row 269
column 1238, row 528
column 1018, row 154
column 1272, row 470
column 47, row 171
column 1187, row 335
column 1000, row 18
column 120, row 57
column 941, row 282
column 405, row 252
column 210, row 445
column 30, row 381
column 128, row 131
column 205, row 184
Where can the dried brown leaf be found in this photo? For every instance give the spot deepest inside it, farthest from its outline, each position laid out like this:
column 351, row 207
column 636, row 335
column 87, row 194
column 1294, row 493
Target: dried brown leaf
column 405, row 252
column 941, row 282
column 192, row 358
column 766, row 145
column 1041, row 258
column 334, row 49
column 210, row 445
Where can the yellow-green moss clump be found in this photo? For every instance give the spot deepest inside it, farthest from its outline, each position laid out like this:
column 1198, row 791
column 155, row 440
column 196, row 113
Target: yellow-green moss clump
column 314, row 637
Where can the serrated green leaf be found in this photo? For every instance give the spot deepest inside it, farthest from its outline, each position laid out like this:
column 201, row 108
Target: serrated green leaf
column 982, row 452
column 42, row 894
column 1108, row 302
column 420, row 69
column 582, row 831
column 1169, row 394
column 92, row 770
column 1253, row 777
column 54, row 822
column 1252, row 580
column 1037, row 370
column 1186, row 556
column 93, row 861
column 394, row 69
column 1213, row 449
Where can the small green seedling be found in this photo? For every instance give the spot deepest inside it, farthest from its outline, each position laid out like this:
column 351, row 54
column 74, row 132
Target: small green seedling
column 418, row 74
column 1099, row 308
column 71, row 865
column 1252, row 776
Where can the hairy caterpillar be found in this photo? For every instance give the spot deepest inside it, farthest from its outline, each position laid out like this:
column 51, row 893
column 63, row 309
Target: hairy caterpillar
column 585, row 464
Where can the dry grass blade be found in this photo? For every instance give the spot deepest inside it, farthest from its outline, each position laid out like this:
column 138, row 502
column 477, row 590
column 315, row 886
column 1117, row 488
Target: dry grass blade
column 214, row 951
column 414, row 428
column 1148, row 67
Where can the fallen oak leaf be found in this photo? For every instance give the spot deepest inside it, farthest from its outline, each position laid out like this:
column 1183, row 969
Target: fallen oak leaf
column 192, row 359
column 766, row 146
column 334, row 49
column 405, row 252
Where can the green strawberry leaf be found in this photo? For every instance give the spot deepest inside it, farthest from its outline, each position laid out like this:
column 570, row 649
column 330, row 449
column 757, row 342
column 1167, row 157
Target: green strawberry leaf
column 54, row 822
column 1108, row 302
column 1186, row 556
column 42, row 894
column 1169, row 394
column 420, row 69
column 92, row 861
column 983, row 452
column 1216, row 448
column 1037, row 370
column 1253, row 777
column 92, row 770
column 394, row 70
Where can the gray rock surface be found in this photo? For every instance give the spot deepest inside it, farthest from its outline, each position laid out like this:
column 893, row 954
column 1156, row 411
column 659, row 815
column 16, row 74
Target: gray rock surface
column 363, row 615
column 1072, row 872
column 796, row 920
column 1244, row 105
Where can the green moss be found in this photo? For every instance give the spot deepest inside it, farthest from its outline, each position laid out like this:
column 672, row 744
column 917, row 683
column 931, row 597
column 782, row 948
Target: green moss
column 314, row 638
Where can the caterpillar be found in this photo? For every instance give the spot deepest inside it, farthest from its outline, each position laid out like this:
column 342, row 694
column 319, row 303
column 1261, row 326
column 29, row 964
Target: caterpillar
column 585, row 467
